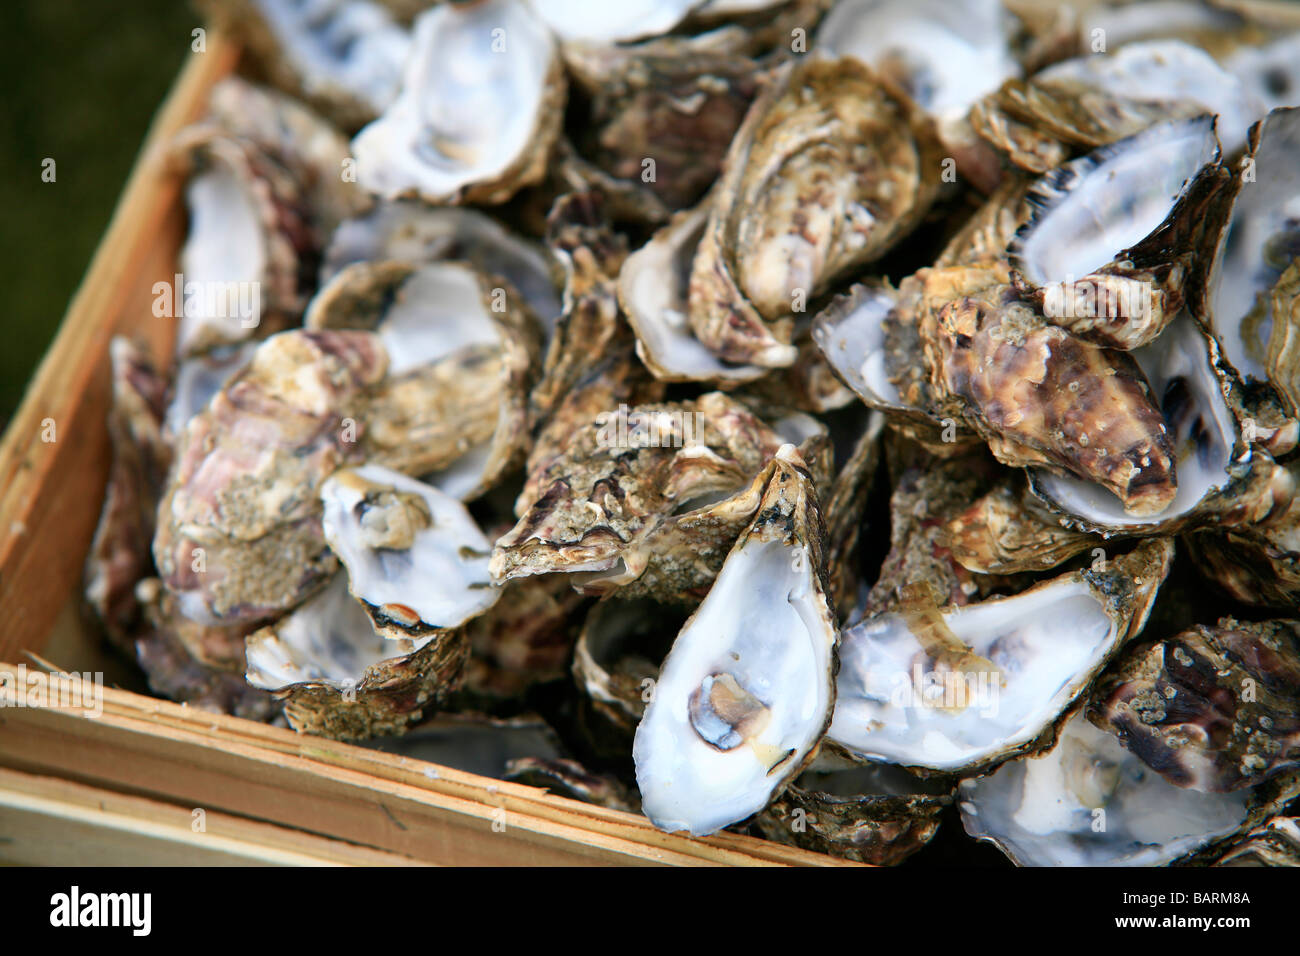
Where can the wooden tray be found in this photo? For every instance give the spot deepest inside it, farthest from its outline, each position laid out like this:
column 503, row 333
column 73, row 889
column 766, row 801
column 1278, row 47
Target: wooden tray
column 122, row 787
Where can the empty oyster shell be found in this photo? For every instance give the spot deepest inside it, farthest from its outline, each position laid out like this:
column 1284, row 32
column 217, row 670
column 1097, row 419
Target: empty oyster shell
column 962, row 689
column 242, row 261
column 415, row 558
column 464, row 352
column 745, row 694
column 1089, row 802
column 778, row 235
column 1214, row 708
column 344, row 56
column 944, row 54
column 1251, row 300
column 414, row 232
column 339, row 678
column 654, row 291
column 1110, row 246
column 479, row 109
column 1216, row 479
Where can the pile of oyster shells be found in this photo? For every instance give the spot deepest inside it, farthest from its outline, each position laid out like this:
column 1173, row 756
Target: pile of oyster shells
column 824, row 420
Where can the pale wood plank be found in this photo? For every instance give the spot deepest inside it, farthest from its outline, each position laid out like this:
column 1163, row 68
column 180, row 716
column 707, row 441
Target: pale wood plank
column 45, row 821
column 437, row 814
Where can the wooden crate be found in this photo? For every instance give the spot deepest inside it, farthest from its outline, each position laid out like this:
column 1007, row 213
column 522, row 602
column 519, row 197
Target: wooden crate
column 122, row 787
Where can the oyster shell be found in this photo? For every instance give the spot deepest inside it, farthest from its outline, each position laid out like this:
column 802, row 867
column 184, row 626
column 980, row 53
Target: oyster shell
column 1089, row 802
column 480, row 107
column 415, row 558
column 654, row 291
column 343, row 56
column 413, row 232
column 1213, row 708
column 239, row 533
column 249, row 237
column 339, row 678
column 1250, row 302
column 1110, row 247
column 879, row 815
column 464, row 352
column 119, row 552
column 745, row 694
column 1276, row 843
column 962, row 689
column 649, row 499
column 777, row 234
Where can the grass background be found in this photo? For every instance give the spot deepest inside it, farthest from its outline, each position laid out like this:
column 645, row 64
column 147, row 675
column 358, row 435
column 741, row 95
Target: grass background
column 83, row 79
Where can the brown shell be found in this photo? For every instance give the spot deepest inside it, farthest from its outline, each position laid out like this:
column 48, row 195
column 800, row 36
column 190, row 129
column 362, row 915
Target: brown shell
column 827, row 172
column 1213, row 708
column 239, row 534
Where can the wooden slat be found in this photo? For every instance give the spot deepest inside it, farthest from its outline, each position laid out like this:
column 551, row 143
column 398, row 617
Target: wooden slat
column 45, row 821
column 398, row 804
column 50, row 492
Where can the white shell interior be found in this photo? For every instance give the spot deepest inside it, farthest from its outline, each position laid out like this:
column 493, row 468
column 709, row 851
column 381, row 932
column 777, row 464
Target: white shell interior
column 329, row 638
column 223, row 259
column 1114, row 198
column 199, row 377
column 472, row 95
column 892, row 705
column 654, row 289
column 952, row 52
column 443, row 576
column 600, row 22
column 350, row 44
column 1168, row 71
column 1271, row 72
column 1184, row 383
column 436, row 311
column 1089, row 802
column 764, row 623
column 854, row 344
column 1263, row 210
column 416, row 232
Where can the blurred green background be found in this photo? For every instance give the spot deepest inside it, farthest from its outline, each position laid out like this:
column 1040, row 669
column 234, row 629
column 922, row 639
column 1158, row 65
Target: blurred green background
column 84, row 78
